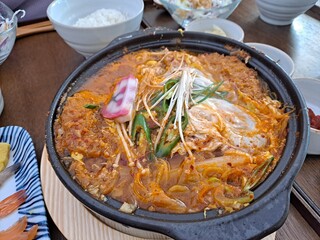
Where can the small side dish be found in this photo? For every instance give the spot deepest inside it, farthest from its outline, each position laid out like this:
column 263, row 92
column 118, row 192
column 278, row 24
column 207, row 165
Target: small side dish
column 309, row 88
column 11, row 204
column 186, row 11
column 22, row 212
column 8, row 26
column 217, row 26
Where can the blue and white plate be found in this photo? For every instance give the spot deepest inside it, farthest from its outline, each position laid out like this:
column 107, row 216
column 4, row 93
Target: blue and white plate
column 27, row 177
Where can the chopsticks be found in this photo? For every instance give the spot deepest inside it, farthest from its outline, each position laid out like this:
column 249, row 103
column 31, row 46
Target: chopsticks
column 30, row 29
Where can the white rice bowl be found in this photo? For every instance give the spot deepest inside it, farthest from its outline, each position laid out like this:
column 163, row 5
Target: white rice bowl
column 91, row 38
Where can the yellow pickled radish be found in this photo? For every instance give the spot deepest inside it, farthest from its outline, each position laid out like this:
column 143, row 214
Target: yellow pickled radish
column 4, row 155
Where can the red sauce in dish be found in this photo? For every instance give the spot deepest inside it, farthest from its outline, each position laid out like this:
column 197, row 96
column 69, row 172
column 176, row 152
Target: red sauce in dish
column 314, row 119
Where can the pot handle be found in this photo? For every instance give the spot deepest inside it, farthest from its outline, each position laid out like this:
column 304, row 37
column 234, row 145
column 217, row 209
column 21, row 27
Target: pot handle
column 254, row 222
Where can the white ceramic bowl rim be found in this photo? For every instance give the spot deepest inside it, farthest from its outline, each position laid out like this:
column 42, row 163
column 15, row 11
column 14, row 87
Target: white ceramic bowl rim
column 50, row 16
column 316, row 131
column 197, row 9
column 288, row 68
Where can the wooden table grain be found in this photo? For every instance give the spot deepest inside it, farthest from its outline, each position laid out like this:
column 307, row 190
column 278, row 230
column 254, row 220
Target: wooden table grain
column 40, row 63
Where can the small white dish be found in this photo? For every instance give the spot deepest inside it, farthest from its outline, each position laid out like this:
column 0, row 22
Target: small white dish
column 231, row 29
column 309, row 88
column 277, row 55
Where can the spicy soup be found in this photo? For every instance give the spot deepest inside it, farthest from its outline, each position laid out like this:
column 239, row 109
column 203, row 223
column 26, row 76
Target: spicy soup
column 172, row 131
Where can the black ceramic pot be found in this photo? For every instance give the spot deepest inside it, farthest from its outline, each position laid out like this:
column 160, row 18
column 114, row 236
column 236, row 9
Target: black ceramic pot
column 270, row 207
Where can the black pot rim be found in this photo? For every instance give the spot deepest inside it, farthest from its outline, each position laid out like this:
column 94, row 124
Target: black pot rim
column 255, row 221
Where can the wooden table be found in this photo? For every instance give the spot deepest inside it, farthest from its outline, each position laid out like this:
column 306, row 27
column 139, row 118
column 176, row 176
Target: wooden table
column 40, row 63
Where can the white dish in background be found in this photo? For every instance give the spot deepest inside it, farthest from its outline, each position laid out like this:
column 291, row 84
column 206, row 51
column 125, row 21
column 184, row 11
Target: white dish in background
column 231, row 29
column 282, row 12
column 277, row 55
column 309, row 88
column 27, row 178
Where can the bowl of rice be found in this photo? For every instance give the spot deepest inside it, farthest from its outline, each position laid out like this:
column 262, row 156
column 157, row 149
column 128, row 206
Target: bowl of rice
column 89, row 26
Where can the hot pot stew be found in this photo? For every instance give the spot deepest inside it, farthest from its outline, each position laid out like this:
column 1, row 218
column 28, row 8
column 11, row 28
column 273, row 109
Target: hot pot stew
column 172, row 131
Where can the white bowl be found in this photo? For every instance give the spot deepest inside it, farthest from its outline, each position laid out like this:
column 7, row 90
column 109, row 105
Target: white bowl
column 309, row 88
column 282, row 12
column 231, row 29
column 88, row 40
column 277, row 55
column 8, row 36
column 183, row 12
